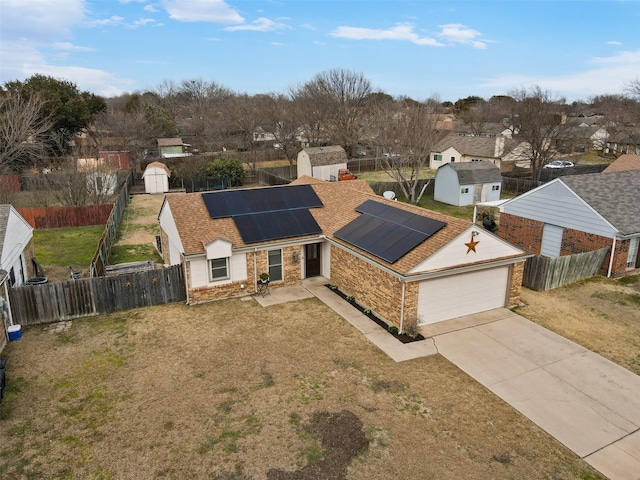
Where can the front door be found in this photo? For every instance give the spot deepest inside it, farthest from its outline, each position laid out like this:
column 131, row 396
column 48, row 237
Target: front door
column 312, row 260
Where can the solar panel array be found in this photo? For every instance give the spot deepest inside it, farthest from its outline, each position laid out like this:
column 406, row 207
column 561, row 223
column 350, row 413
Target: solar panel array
column 230, row 203
column 264, row 214
column 387, row 232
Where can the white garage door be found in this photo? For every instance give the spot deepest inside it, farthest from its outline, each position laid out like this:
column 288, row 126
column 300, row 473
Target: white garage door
column 459, row 295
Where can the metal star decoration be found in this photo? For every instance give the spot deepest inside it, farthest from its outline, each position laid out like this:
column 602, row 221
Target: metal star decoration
column 127, row 283
column 471, row 246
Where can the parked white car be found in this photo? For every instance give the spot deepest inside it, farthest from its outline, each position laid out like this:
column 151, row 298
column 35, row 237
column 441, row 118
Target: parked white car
column 559, row 164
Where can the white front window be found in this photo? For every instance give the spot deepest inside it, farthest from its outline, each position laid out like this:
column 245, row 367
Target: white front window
column 633, row 252
column 219, row 269
column 275, row 264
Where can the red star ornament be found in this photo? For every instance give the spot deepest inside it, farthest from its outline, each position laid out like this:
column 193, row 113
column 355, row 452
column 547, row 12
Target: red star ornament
column 471, row 246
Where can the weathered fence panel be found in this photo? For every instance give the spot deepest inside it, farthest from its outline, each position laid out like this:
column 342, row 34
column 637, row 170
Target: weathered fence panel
column 61, row 217
column 545, row 273
column 53, row 302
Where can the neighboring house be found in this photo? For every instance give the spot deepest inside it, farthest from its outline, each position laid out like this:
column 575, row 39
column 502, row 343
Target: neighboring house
column 156, row 178
column 456, row 148
column 623, row 144
column 261, row 135
column 102, row 177
column 467, row 183
column 579, row 213
column 16, row 246
column 624, row 163
column 321, row 162
column 173, row 148
column 403, row 262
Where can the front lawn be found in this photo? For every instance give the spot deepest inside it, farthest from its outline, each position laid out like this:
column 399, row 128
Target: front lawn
column 230, row 389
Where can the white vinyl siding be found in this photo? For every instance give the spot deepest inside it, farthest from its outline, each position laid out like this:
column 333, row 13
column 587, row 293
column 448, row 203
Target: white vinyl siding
column 459, row 295
column 556, row 204
column 551, row 241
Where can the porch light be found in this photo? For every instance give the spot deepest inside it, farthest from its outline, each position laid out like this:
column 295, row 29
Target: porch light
column 295, row 257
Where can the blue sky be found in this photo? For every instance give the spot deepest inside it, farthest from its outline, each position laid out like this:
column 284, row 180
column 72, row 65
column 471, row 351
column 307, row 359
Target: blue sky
column 417, row 48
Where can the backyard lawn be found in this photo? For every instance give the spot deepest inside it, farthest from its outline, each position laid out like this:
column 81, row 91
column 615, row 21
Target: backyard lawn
column 232, row 390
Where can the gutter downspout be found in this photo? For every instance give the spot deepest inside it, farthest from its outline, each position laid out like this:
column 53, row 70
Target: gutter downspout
column 404, row 286
column 255, row 269
column 613, row 251
column 186, row 277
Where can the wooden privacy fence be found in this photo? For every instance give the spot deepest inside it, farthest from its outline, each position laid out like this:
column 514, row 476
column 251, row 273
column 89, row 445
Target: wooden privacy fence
column 53, row 302
column 546, row 273
column 101, row 257
column 60, row 217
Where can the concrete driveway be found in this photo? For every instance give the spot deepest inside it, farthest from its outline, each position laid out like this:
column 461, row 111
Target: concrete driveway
column 586, row 402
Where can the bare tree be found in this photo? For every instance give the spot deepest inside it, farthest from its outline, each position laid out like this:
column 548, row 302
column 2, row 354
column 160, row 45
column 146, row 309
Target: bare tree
column 333, row 106
column 537, row 120
column 24, row 131
column 280, row 121
column 406, row 137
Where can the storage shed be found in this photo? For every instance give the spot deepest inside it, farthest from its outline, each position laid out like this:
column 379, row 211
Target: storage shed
column 467, row 183
column 322, row 162
column 156, row 178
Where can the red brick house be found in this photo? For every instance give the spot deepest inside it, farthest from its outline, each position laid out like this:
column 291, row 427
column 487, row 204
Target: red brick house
column 403, row 262
column 579, row 213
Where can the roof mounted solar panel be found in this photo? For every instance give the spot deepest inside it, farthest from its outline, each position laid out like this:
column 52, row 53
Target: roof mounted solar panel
column 229, row 203
column 261, row 227
column 387, row 232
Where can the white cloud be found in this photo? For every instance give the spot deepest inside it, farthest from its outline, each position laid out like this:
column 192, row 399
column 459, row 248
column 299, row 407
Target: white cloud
column 118, row 21
column 458, row 33
column 401, row 32
column 21, row 61
column 70, row 47
column 603, row 75
column 150, row 8
column 613, row 42
column 215, row 11
column 40, row 19
column 260, row 25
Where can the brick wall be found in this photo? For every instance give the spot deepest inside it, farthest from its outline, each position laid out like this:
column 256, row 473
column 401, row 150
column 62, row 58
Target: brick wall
column 527, row 234
column 372, row 288
column 523, row 232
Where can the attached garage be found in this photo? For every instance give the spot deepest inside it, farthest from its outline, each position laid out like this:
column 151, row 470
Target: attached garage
column 455, row 296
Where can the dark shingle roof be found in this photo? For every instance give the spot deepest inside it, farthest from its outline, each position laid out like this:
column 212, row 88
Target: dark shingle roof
column 479, row 146
column 472, row 173
column 615, row 196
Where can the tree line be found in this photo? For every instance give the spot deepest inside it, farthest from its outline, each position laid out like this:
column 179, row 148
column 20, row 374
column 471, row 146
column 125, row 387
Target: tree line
column 41, row 117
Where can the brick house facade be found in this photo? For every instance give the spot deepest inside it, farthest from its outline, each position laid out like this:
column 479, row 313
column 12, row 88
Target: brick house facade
column 587, row 212
column 392, row 289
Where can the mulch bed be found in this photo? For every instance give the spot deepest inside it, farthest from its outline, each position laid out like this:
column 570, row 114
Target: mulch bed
column 403, row 337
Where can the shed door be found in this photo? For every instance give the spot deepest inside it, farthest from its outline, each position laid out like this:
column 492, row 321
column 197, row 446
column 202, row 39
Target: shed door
column 551, row 240
column 459, row 295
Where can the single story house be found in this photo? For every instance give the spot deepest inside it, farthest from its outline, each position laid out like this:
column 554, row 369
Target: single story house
column 458, row 148
column 321, row 162
column 401, row 261
column 579, row 213
column 173, row 148
column 16, row 246
column 467, row 183
column 156, row 178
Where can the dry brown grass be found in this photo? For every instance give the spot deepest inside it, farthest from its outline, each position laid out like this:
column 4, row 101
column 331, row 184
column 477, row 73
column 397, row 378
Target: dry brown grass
column 600, row 314
column 234, row 390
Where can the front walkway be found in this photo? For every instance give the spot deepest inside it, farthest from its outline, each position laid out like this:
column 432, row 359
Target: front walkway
column 586, row 402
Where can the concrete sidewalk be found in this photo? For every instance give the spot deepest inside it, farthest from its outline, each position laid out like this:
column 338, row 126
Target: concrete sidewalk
column 586, row 402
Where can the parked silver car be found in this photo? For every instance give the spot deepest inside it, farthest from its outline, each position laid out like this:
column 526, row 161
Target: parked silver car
column 559, row 164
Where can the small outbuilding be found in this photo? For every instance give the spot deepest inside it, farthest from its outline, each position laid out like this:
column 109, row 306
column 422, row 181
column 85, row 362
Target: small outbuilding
column 321, row 162
column 16, row 246
column 156, row 178
column 467, row 183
